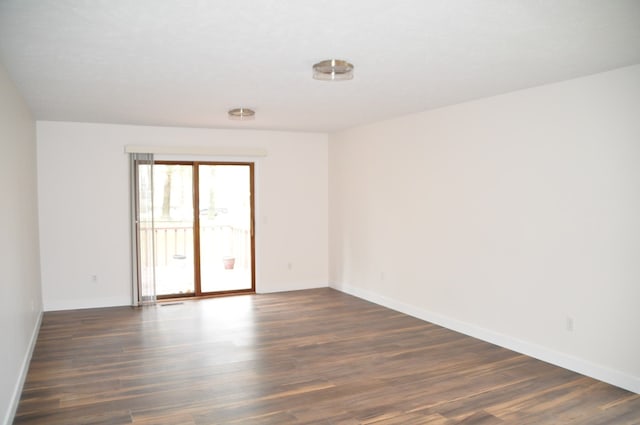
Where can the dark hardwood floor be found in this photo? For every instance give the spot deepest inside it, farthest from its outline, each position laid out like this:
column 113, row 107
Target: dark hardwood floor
column 307, row 357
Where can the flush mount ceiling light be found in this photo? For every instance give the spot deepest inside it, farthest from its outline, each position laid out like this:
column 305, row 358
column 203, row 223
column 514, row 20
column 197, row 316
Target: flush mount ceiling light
column 333, row 70
column 242, row 114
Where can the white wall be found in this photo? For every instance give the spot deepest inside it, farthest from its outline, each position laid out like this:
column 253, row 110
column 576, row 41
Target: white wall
column 503, row 218
column 84, row 207
column 20, row 297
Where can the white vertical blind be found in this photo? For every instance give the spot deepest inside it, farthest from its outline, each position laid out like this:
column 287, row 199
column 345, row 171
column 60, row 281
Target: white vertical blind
column 142, row 230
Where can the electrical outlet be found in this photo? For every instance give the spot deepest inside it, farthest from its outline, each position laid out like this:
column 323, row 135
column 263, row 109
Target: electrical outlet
column 569, row 323
column 94, row 278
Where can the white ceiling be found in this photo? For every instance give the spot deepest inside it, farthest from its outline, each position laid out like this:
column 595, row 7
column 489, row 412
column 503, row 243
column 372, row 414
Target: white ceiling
column 186, row 62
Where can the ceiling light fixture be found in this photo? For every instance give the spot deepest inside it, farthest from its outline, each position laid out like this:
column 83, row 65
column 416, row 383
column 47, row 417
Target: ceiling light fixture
column 242, row 114
column 333, row 70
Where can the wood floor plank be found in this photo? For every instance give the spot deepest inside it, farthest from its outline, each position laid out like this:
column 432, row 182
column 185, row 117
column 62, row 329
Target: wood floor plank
column 308, row 357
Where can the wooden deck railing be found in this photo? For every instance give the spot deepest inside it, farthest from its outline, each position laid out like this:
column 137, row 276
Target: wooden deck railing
column 175, row 244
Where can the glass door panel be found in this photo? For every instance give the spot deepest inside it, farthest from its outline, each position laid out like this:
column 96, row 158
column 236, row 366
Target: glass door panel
column 174, row 224
column 225, row 233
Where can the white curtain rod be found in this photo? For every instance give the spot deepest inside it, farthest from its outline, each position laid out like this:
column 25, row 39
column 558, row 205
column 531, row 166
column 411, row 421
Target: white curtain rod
column 195, row 150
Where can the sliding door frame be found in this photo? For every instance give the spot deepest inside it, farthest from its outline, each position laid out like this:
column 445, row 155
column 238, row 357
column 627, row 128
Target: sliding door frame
column 196, row 229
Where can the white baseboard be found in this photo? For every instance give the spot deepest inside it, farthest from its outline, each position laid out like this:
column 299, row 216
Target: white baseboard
column 24, row 369
column 270, row 289
column 80, row 304
column 584, row 367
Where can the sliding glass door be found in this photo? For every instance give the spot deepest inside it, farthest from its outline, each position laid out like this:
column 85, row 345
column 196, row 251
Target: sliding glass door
column 203, row 228
column 225, row 228
column 174, row 226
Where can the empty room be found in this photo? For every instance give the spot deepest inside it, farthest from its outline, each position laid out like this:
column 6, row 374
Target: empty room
column 327, row 212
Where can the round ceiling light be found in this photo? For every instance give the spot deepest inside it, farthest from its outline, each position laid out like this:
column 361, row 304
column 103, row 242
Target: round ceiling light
column 333, row 70
column 242, row 114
